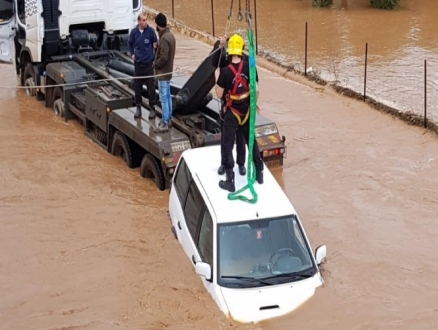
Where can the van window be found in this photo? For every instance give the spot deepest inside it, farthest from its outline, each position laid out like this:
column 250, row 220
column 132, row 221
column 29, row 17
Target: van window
column 182, row 181
column 6, row 12
column 261, row 248
column 192, row 209
column 205, row 244
column 135, row 4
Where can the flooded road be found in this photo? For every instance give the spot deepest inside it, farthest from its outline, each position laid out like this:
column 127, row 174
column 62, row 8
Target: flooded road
column 398, row 42
column 85, row 243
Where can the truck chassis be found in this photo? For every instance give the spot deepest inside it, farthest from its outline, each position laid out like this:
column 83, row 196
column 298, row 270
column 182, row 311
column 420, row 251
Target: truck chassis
column 85, row 87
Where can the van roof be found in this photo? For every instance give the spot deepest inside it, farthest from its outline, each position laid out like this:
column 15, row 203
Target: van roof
column 272, row 201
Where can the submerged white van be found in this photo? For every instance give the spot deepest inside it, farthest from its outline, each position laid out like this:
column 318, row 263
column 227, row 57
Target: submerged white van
column 254, row 259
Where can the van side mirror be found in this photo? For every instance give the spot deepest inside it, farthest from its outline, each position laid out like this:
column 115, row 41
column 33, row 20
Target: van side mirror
column 203, row 269
column 320, row 254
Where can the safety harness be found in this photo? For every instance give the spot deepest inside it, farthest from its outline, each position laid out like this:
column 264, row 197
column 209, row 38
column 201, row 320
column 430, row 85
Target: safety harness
column 251, row 172
column 232, row 95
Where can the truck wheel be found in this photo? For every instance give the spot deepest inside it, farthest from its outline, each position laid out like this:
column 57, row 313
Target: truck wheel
column 29, row 80
column 150, row 168
column 120, row 148
column 58, row 103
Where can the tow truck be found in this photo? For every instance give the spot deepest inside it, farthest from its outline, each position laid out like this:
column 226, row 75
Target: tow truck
column 74, row 58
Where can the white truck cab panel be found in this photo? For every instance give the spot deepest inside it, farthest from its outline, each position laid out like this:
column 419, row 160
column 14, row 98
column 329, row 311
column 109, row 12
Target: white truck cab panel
column 7, row 31
column 28, row 18
column 115, row 14
column 137, row 9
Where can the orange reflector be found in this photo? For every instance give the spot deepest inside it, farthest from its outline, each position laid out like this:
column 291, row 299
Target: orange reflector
column 273, row 152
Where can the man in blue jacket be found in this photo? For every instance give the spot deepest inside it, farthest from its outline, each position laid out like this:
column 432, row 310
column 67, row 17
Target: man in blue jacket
column 142, row 44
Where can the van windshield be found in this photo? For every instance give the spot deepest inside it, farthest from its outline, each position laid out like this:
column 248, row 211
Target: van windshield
column 263, row 252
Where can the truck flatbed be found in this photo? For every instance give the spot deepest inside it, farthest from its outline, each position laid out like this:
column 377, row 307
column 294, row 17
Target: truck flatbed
column 168, row 145
column 81, row 69
column 106, row 109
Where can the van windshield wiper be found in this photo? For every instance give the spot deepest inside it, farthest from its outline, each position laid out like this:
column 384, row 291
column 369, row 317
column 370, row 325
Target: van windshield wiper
column 248, row 279
column 306, row 274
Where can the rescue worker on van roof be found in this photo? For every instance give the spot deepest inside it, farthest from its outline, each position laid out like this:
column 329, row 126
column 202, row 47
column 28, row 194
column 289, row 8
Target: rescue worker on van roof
column 220, row 59
column 142, row 43
column 232, row 85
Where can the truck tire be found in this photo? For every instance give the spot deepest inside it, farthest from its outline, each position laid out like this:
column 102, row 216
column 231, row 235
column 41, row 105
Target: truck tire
column 29, row 80
column 120, row 148
column 58, row 102
column 150, row 168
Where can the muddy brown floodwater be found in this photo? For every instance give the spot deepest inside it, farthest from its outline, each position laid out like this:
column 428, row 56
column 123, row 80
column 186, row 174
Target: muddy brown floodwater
column 85, row 243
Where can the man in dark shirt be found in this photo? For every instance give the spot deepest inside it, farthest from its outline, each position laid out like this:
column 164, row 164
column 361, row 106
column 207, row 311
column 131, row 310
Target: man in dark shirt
column 142, row 43
column 219, row 59
column 233, row 86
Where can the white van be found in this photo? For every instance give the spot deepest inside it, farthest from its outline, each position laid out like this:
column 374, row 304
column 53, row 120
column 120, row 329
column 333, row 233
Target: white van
column 254, row 259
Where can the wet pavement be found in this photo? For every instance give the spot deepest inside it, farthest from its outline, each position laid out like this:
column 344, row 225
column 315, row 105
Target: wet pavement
column 86, row 242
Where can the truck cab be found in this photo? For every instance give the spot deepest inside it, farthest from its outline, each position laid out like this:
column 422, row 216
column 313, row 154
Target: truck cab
column 7, row 29
column 40, row 29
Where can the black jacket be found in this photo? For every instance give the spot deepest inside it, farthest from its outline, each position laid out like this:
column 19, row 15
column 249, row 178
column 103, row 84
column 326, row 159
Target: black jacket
column 165, row 55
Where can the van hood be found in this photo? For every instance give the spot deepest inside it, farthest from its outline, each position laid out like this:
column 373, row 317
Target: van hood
column 257, row 304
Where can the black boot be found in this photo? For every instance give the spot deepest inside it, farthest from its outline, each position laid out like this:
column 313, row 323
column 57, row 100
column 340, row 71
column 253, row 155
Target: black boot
column 259, row 177
column 138, row 112
column 152, row 113
column 229, row 183
column 242, row 170
column 221, row 170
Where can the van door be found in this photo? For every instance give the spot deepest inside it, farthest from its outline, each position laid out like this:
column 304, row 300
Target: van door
column 193, row 213
column 177, row 200
column 7, row 31
column 205, row 249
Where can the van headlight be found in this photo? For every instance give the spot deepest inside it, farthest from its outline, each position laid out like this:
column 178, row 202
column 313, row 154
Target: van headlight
column 266, row 130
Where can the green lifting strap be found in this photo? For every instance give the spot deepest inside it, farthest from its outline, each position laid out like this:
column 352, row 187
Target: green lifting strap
column 251, row 173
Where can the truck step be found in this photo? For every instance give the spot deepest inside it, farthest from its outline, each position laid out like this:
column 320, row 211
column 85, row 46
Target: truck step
column 77, row 112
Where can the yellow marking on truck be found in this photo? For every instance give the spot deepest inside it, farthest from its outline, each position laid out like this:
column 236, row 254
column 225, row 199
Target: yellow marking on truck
column 273, row 138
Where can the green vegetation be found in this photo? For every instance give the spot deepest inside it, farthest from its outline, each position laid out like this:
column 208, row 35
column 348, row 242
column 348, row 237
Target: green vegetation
column 385, row 4
column 380, row 4
column 322, row 3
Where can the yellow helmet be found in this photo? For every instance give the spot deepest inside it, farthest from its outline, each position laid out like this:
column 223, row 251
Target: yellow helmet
column 235, row 45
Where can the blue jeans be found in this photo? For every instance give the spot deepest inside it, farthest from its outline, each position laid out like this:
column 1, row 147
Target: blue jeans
column 166, row 100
